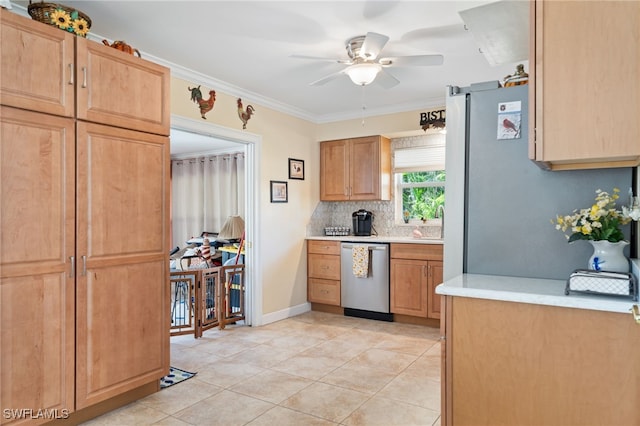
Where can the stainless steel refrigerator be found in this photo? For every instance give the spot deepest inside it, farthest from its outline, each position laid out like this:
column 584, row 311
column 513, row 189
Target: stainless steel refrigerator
column 501, row 202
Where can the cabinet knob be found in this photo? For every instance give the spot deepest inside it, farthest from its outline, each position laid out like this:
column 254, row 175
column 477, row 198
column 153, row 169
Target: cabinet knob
column 635, row 310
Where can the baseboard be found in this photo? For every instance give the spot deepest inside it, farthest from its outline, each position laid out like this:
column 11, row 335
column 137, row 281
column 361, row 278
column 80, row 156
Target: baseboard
column 285, row 313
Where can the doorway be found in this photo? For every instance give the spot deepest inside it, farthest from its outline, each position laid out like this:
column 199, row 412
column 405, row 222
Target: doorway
column 251, row 143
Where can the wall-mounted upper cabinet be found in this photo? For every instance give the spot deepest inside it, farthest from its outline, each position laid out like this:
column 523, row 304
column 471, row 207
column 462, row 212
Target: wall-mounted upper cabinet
column 355, row 169
column 584, row 85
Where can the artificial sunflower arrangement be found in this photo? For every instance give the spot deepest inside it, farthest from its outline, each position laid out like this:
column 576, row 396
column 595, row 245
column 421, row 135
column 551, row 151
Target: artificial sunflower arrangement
column 599, row 222
column 71, row 22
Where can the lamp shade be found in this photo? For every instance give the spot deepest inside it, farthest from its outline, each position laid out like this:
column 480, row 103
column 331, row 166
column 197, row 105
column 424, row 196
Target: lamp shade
column 232, row 228
column 363, row 74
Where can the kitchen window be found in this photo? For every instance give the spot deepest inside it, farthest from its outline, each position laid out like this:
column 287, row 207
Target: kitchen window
column 419, row 179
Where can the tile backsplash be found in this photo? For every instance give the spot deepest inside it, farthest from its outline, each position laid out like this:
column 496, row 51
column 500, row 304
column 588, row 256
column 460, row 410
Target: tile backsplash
column 339, row 213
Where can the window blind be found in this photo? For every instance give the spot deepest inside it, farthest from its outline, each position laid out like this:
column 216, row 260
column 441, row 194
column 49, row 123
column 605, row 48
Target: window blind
column 419, row 159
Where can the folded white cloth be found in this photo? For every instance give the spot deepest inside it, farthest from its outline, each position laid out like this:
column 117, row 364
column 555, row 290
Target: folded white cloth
column 360, row 255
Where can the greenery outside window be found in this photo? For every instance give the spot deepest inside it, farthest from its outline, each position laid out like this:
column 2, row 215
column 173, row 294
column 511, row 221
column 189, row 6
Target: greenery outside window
column 422, row 194
column 419, row 179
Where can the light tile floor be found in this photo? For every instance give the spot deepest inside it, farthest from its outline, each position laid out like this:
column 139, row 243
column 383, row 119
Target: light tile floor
column 312, row 369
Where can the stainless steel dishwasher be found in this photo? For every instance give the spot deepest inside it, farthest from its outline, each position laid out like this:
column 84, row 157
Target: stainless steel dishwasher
column 366, row 297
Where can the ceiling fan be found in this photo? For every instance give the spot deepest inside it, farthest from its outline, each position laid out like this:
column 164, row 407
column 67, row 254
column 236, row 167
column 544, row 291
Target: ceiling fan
column 364, row 65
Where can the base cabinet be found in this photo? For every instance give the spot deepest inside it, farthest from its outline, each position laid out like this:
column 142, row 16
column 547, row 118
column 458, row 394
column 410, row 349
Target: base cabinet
column 323, row 272
column 508, row 363
column 416, row 270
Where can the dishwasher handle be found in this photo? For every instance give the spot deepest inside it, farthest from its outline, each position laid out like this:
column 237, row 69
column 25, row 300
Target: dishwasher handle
column 350, row 246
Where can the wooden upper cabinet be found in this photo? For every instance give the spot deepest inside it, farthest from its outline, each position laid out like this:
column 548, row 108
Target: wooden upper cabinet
column 121, row 90
column 355, row 169
column 36, row 66
column 584, row 85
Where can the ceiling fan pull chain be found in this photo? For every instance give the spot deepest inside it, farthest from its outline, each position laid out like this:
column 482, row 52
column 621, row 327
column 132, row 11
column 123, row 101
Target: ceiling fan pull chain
column 363, row 107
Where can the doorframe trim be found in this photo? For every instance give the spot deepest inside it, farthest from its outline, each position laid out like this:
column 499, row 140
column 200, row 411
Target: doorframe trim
column 253, row 145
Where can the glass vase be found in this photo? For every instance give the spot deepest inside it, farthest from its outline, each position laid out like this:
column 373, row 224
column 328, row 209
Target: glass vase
column 609, row 256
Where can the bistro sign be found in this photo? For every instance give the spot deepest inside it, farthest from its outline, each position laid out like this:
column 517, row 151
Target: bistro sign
column 433, row 119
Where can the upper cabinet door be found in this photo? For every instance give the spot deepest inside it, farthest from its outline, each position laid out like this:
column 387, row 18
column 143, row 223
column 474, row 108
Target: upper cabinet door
column 585, row 90
column 334, row 170
column 370, row 168
column 121, row 90
column 36, row 66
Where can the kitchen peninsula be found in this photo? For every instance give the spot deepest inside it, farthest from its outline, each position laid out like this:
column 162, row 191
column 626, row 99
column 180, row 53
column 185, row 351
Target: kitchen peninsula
column 520, row 351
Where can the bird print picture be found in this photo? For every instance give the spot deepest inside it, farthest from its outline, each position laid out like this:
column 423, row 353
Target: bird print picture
column 205, row 105
column 245, row 113
column 509, row 119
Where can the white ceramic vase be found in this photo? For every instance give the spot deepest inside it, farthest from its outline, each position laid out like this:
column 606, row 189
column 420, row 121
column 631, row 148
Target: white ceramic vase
column 609, row 256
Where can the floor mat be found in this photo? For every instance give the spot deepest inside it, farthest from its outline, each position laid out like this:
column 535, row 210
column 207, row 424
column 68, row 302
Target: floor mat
column 175, row 375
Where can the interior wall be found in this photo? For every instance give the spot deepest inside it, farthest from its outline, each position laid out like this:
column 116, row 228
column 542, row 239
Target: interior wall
column 282, row 226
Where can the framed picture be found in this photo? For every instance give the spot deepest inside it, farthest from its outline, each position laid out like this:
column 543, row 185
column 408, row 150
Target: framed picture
column 296, row 169
column 279, row 192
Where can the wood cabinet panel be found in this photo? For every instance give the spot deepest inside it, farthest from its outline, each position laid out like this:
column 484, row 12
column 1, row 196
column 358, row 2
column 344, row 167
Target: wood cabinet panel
column 25, row 51
column 323, row 266
column 323, row 247
column 416, row 251
column 579, row 116
column 576, row 363
column 324, row 291
column 37, row 183
column 435, row 278
column 121, row 90
column 334, row 170
column 409, row 287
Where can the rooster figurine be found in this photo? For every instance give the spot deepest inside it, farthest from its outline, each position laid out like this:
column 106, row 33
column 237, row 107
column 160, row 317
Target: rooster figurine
column 206, row 105
column 244, row 115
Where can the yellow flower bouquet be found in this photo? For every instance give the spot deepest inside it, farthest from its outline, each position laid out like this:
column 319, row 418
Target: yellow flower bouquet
column 600, row 222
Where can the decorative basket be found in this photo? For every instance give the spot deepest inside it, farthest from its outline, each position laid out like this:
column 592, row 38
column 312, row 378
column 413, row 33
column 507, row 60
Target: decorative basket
column 72, row 20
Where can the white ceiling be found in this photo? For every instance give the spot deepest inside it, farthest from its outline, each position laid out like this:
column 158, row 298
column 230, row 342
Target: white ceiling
column 243, row 48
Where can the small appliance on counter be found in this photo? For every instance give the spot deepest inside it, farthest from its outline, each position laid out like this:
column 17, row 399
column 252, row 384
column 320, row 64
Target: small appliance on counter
column 362, row 223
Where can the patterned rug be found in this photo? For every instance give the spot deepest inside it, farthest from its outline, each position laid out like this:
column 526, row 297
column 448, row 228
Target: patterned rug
column 175, row 376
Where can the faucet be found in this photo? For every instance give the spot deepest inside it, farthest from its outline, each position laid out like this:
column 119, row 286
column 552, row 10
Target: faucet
column 440, row 214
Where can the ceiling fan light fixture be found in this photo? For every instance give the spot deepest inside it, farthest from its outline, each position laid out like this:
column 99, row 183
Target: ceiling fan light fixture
column 363, row 74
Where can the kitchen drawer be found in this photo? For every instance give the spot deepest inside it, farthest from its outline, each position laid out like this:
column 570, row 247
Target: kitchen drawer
column 416, row 251
column 323, row 247
column 323, row 266
column 324, row 291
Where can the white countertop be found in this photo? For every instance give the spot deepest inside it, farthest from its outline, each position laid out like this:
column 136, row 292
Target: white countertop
column 530, row 290
column 380, row 239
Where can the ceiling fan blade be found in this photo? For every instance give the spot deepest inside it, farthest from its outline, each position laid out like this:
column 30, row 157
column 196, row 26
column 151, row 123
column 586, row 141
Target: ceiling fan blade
column 372, row 45
column 412, row 61
column 386, row 80
column 326, row 79
column 320, row 58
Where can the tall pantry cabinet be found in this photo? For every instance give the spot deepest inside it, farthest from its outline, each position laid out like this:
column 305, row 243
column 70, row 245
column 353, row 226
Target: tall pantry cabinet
column 84, row 184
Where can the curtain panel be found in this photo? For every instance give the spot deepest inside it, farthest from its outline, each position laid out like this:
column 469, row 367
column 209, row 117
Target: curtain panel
column 205, row 191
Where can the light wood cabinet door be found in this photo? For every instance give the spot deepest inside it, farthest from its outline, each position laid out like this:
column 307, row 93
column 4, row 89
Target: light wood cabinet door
column 122, row 239
column 37, row 209
column 37, row 66
column 409, row 287
column 584, row 85
column 435, row 278
column 121, row 90
column 324, row 291
column 334, row 170
column 370, row 169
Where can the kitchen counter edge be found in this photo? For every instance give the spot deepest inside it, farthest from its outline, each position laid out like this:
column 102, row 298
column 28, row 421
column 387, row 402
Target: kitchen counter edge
column 533, row 291
column 379, row 239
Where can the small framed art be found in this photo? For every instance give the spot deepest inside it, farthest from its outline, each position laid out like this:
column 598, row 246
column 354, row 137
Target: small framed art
column 296, row 169
column 279, row 191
